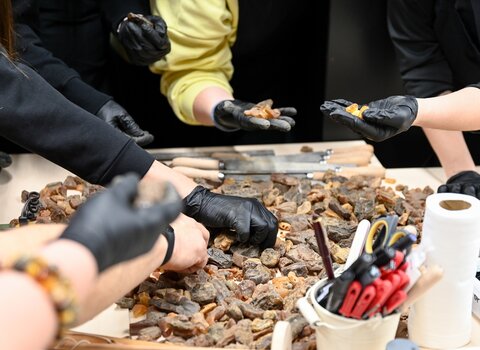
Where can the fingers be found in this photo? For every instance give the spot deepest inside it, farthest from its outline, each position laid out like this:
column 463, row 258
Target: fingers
column 289, row 120
column 131, row 34
column 167, row 210
column 242, row 221
column 251, row 123
column 468, row 189
column 264, row 229
column 125, row 187
column 280, row 125
column 341, row 102
column 143, row 140
column 442, row 189
column 288, row 111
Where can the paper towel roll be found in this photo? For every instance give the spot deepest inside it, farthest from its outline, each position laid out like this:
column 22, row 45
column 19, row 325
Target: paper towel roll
column 451, row 236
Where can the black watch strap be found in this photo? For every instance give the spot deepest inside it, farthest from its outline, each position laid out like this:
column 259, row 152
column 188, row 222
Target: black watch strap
column 170, row 236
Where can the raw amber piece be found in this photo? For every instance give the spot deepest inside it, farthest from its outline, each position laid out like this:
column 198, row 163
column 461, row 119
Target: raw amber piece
column 353, row 109
column 139, row 310
column 263, row 110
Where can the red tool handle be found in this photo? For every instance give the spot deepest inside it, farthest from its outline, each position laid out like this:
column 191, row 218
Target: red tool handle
column 384, row 290
column 394, row 302
column 363, row 302
column 351, row 298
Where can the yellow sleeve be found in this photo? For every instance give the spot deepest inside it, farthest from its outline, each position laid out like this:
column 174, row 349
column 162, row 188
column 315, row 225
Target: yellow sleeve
column 201, row 33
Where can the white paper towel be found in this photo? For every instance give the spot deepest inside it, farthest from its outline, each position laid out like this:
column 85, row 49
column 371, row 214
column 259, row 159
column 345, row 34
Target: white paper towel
column 451, row 236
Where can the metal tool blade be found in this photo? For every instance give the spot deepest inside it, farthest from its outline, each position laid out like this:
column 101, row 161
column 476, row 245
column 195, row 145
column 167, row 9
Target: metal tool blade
column 171, row 155
column 274, row 166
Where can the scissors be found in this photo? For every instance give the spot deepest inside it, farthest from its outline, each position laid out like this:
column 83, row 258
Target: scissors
column 383, row 233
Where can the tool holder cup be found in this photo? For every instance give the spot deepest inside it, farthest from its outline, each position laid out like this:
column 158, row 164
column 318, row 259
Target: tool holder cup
column 335, row 332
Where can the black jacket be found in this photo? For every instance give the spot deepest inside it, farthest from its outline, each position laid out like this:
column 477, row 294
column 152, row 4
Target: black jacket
column 39, row 119
column 75, row 15
column 437, row 43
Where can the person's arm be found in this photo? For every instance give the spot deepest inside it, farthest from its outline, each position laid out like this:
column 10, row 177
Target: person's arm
column 38, row 118
column 196, row 74
column 21, row 294
column 455, row 111
column 201, row 33
column 56, row 72
column 423, row 66
column 451, row 149
column 69, row 84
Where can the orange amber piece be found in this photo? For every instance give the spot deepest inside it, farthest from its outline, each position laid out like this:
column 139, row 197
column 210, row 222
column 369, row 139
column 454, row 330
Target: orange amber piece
column 139, row 310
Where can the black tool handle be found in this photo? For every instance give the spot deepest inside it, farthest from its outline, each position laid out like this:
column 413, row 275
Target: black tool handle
column 338, row 290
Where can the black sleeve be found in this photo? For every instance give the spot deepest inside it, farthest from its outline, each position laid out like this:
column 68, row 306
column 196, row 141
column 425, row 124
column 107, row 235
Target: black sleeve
column 56, row 72
column 116, row 10
column 38, row 118
column 423, row 67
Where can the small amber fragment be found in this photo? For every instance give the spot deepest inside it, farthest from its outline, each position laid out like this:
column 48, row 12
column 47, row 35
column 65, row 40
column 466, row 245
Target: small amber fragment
column 353, row 110
column 263, row 110
column 139, row 310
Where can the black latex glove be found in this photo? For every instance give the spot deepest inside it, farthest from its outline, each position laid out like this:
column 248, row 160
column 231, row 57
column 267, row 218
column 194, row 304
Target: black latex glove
column 247, row 216
column 115, row 230
column 466, row 182
column 115, row 115
column 144, row 39
column 5, row 160
column 383, row 118
column 229, row 116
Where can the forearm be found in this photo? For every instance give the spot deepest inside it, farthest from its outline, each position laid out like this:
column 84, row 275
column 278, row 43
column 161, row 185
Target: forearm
column 25, row 301
column 25, row 304
column 451, row 150
column 455, row 111
column 28, row 101
column 206, row 100
column 120, row 279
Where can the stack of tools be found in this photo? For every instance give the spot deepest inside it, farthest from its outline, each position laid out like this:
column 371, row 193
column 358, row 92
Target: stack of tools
column 381, row 280
column 376, row 282
column 347, row 161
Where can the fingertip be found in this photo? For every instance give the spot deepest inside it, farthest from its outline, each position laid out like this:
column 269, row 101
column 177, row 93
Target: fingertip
column 125, row 186
column 442, row 189
column 288, row 111
column 259, row 123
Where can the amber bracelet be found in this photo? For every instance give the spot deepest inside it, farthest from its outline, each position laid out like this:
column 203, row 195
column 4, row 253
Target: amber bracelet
column 57, row 287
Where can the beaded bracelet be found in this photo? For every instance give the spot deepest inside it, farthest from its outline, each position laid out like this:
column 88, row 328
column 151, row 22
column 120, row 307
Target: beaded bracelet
column 58, row 288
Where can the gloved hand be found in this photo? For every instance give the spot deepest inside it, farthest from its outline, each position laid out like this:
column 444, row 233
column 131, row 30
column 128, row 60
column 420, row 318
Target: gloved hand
column 5, row 160
column 115, row 230
column 144, row 38
column 247, row 216
column 466, row 182
column 229, row 115
column 383, row 118
column 115, row 115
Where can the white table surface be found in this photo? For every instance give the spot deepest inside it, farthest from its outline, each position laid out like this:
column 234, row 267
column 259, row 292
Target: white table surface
column 31, row 172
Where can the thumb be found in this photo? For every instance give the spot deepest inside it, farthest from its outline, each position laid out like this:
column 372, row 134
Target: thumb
column 125, row 187
column 165, row 211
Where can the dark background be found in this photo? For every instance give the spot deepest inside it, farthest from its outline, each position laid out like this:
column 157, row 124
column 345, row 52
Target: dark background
column 349, row 55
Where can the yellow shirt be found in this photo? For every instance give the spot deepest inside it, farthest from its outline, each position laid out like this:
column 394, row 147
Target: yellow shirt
column 201, row 33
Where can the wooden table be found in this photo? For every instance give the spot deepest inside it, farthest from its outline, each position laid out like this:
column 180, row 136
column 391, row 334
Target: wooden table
column 31, row 172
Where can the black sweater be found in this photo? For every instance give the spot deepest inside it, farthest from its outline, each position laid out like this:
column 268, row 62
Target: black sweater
column 437, row 43
column 33, row 53
column 39, row 119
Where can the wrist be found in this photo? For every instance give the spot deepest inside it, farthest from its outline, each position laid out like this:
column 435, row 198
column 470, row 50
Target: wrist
column 60, row 253
column 56, row 286
column 216, row 118
column 206, row 101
